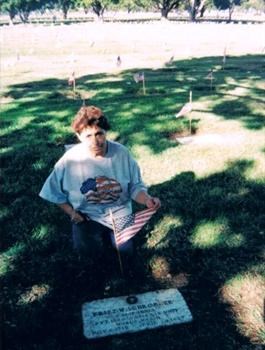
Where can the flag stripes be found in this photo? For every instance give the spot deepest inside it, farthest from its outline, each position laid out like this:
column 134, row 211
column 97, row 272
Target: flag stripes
column 186, row 109
column 127, row 227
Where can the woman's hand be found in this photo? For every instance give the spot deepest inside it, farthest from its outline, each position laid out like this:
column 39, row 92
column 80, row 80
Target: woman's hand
column 153, row 203
column 147, row 200
column 76, row 217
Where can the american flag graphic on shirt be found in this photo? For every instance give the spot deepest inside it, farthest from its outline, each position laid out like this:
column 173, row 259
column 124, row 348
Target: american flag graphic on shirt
column 127, row 227
column 101, row 190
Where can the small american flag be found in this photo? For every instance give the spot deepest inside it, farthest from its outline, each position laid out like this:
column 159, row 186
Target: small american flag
column 71, row 80
column 224, row 57
column 138, row 77
column 210, row 75
column 186, row 109
column 127, row 226
column 118, row 62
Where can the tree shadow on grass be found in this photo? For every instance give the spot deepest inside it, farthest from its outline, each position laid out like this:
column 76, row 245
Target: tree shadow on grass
column 208, row 230
column 138, row 117
column 210, row 258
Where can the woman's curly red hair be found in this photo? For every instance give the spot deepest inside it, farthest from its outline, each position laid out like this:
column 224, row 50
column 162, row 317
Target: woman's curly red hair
column 89, row 116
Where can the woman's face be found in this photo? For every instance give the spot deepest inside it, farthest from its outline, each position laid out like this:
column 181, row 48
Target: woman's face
column 95, row 139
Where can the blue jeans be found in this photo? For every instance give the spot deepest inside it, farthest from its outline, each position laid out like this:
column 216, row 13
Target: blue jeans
column 91, row 239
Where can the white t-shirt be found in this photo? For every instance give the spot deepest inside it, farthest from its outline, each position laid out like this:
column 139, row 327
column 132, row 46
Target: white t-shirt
column 93, row 186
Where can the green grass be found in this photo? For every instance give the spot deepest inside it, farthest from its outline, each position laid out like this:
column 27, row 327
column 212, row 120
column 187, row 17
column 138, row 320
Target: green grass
column 210, row 227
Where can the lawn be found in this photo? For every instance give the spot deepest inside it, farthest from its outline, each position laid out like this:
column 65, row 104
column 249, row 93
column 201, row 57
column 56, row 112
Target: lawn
column 208, row 238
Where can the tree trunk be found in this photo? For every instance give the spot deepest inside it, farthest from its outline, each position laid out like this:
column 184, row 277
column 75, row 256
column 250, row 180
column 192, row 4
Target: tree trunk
column 164, row 13
column 231, row 10
column 192, row 15
column 201, row 8
column 12, row 15
column 24, row 16
column 65, row 11
column 192, row 10
column 99, row 10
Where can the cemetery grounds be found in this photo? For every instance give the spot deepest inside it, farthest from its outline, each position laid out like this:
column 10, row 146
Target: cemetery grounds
column 207, row 240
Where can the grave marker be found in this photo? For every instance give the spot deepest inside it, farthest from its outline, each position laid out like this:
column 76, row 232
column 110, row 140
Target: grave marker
column 129, row 314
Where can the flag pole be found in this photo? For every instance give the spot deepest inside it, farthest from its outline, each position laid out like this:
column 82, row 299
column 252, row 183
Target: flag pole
column 117, row 248
column 224, row 58
column 190, row 111
column 144, row 85
column 74, row 85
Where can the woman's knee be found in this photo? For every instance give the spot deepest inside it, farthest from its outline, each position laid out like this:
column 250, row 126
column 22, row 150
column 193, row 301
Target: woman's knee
column 86, row 242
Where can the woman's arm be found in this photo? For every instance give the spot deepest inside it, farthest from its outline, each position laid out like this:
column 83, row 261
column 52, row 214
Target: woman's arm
column 69, row 210
column 150, row 202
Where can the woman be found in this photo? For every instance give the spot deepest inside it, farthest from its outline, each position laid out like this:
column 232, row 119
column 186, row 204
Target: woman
column 91, row 180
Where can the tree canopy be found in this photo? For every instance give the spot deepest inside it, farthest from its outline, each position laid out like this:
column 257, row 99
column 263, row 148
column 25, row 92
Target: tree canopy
column 97, row 6
column 227, row 5
column 195, row 8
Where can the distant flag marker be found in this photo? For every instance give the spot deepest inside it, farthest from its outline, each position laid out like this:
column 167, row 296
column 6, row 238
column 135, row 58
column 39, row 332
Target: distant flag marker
column 186, row 110
column 224, row 58
column 170, row 61
column 71, row 81
column 140, row 77
column 118, row 62
column 210, row 77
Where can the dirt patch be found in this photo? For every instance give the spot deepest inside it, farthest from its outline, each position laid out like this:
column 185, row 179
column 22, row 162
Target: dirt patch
column 246, row 300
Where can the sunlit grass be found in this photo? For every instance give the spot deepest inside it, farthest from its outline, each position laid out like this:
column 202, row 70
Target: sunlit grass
column 41, row 232
column 19, row 124
column 244, row 294
column 8, row 257
column 158, row 238
column 215, row 234
column 35, row 293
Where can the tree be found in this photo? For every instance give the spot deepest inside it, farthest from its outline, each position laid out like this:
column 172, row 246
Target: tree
column 227, row 5
column 131, row 5
column 195, row 8
column 165, row 6
column 21, row 7
column 9, row 7
column 65, row 5
column 258, row 5
column 98, row 6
